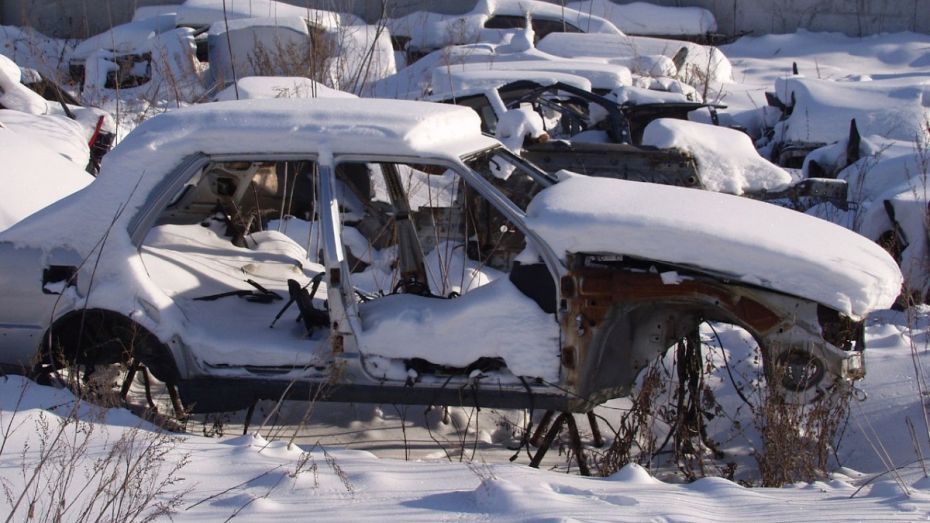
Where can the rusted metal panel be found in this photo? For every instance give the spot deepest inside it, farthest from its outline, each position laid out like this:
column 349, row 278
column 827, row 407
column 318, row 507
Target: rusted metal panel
column 598, row 289
column 621, row 161
column 590, row 293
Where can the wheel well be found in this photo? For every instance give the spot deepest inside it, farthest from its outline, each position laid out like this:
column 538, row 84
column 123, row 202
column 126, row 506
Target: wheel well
column 633, row 335
column 631, row 338
column 98, row 336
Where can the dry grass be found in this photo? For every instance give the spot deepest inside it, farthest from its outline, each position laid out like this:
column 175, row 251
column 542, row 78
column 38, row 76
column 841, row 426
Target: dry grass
column 71, row 470
column 798, row 439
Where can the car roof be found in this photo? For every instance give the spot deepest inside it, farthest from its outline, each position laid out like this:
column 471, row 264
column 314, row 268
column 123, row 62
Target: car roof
column 207, row 12
column 269, row 87
column 316, row 125
column 279, row 23
column 600, row 75
column 321, row 126
column 451, row 82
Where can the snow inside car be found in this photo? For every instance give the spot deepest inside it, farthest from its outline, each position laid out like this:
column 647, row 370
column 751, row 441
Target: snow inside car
column 386, row 251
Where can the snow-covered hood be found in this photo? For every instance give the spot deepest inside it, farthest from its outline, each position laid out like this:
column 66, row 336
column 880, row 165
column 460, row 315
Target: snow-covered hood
column 739, row 170
column 754, row 242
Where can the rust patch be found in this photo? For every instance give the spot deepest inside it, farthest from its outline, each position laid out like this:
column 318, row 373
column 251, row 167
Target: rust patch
column 567, row 287
column 568, row 357
column 754, row 313
column 599, row 289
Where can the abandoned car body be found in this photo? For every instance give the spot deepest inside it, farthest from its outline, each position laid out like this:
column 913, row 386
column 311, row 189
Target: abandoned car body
column 422, row 32
column 34, row 104
column 575, row 141
column 452, row 271
column 595, row 135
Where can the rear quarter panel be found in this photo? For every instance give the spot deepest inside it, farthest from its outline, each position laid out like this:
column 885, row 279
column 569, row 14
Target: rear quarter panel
column 25, row 310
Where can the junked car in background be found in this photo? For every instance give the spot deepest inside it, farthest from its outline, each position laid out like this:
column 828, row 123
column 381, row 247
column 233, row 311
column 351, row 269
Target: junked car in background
column 274, row 38
column 342, row 56
column 149, row 58
column 82, row 135
column 492, row 21
column 812, row 112
column 185, row 50
column 703, row 67
column 556, row 122
column 694, row 24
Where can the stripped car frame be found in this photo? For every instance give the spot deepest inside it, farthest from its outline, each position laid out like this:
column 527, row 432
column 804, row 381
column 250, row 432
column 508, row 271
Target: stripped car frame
column 84, row 292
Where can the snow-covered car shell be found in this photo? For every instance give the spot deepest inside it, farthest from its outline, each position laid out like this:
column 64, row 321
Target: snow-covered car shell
column 80, row 134
column 602, row 315
column 706, row 61
column 28, row 164
column 253, row 87
column 427, row 31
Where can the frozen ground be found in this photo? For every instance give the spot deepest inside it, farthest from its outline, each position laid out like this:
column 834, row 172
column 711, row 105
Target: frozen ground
column 374, row 462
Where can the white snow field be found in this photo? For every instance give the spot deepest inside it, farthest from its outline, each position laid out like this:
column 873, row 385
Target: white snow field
column 64, row 460
column 255, row 478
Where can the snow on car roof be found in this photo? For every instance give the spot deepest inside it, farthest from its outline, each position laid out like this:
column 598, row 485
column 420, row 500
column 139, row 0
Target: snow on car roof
column 397, row 127
column 455, row 82
column 704, row 59
column 206, row 12
column 251, row 127
column 253, row 87
column 601, row 75
column 294, row 23
column 755, row 243
column 896, row 108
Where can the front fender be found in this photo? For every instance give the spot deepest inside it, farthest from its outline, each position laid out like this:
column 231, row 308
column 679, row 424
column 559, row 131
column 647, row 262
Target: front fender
column 615, row 322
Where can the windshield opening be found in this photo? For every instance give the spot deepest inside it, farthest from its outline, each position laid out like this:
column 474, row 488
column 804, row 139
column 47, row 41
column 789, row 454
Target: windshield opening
column 516, row 178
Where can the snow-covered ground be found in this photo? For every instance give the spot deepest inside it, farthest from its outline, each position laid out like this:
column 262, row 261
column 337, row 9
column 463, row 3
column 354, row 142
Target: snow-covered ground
column 372, row 462
column 351, row 464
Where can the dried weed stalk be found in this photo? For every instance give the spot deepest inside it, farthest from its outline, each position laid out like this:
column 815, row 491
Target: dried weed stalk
column 797, row 439
column 71, row 470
